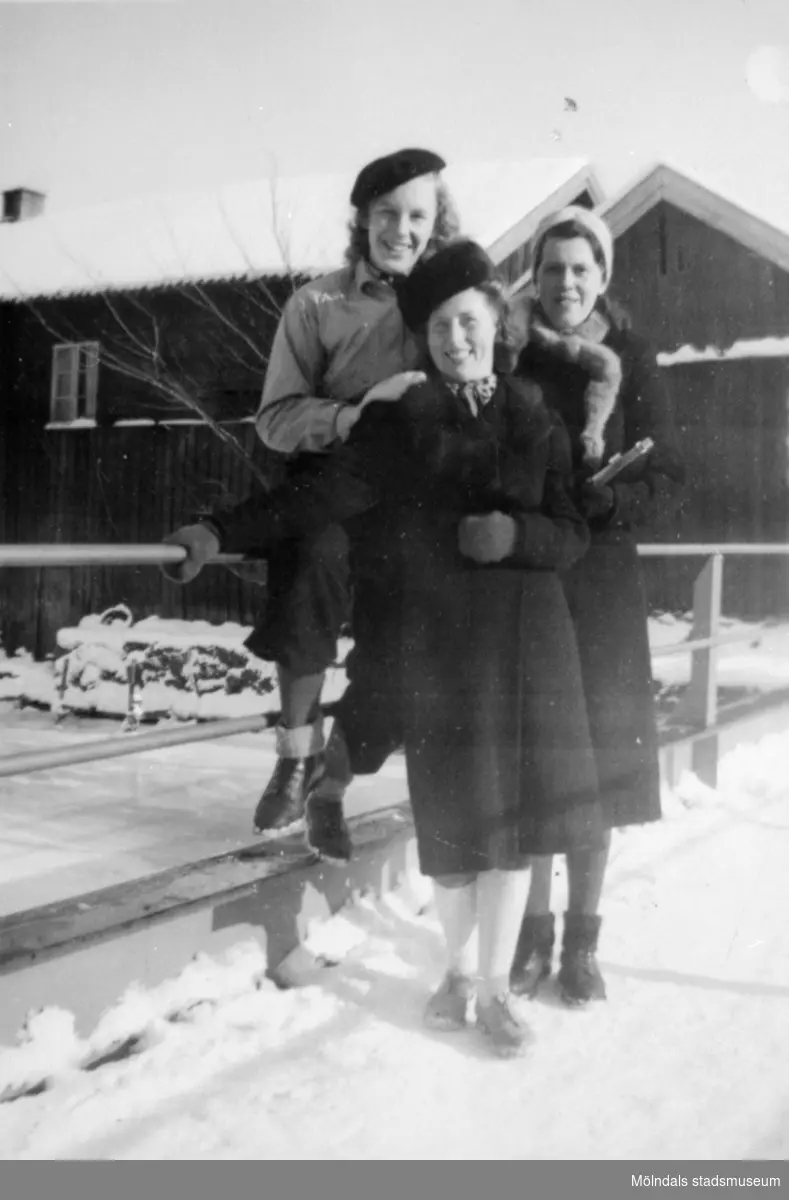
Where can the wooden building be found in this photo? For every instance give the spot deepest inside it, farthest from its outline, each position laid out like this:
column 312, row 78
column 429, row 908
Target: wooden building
column 708, row 282
column 110, row 318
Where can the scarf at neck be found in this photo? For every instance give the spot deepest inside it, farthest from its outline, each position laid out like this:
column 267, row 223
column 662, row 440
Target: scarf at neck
column 583, row 346
column 476, row 394
column 393, row 281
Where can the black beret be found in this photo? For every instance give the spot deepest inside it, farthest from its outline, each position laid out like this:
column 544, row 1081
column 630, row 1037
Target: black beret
column 392, row 171
column 460, row 265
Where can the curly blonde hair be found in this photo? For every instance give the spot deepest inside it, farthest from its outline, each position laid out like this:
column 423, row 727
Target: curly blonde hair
column 445, row 229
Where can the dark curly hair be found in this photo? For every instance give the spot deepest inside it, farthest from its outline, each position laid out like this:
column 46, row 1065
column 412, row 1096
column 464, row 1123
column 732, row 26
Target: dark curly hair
column 605, row 303
column 445, row 229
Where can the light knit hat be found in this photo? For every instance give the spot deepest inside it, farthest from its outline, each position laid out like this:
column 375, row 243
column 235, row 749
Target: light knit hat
column 595, row 226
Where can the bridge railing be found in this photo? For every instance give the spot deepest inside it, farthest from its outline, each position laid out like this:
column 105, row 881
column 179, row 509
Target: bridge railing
column 697, row 713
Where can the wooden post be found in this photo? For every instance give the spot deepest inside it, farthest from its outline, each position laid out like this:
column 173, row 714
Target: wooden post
column 133, row 716
column 699, row 706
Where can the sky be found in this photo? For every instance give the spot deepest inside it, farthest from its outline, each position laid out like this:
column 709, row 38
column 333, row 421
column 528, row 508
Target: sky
column 102, row 100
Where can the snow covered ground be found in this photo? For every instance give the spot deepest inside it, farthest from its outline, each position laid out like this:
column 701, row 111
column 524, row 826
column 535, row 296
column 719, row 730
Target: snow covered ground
column 687, row 1059
column 196, row 670
column 73, row 829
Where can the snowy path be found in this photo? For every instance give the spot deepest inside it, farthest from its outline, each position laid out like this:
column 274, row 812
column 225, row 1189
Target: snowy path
column 687, row 1058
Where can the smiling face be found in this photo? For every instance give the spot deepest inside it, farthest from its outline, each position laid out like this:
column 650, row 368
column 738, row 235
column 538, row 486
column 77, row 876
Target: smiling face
column 461, row 336
column 569, row 280
column 400, row 224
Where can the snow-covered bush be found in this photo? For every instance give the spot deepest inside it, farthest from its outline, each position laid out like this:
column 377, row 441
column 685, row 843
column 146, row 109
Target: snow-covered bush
column 180, row 669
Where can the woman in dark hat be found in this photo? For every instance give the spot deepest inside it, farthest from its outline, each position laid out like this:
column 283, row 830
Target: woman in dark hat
column 497, row 746
column 473, row 473
column 603, row 381
column 341, row 339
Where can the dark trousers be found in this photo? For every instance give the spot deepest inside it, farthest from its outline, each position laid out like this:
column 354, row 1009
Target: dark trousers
column 370, row 710
column 308, row 601
column 315, row 586
column 331, row 552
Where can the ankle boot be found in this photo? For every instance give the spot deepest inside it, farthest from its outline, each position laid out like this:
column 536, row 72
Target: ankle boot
column 579, row 977
column 280, row 809
column 327, row 832
column 533, row 954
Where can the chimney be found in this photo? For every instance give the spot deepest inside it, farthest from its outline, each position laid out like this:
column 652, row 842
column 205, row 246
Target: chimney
column 20, row 204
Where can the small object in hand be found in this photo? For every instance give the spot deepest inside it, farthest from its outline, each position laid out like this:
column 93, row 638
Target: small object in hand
column 201, row 545
column 619, row 462
column 489, row 538
column 596, row 500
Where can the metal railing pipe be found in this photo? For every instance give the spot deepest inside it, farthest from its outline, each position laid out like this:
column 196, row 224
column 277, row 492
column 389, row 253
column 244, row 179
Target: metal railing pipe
column 137, row 743
column 69, row 555
column 155, row 554
column 703, row 549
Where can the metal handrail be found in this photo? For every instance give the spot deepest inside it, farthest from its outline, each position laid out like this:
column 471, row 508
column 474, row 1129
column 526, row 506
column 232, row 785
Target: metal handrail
column 158, row 554
column 701, row 708
column 706, row 549
column 69, row 555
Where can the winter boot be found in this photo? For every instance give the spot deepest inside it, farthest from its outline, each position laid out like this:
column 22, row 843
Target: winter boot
column 447, row 1008
column 327, row 832
column 280, row 810
column 533, row 954
column 508, row 1035
column 579, row 977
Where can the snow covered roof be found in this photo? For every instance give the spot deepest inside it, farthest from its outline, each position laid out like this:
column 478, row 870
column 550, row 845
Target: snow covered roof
column 762, row 227
column 767, row 347
column 267, row 227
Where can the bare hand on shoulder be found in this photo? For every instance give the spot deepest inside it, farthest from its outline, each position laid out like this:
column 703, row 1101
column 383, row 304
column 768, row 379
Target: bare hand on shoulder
column 487, row 539
column 391, row 389
column 395, row 387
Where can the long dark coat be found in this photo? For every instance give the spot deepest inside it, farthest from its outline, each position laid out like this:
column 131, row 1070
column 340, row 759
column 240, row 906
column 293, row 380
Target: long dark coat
column 498, row 751
column 604, row 589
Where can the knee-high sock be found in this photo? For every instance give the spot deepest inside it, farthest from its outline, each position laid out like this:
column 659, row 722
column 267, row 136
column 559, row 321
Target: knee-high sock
column 457, row 912
column 299, row 697
column 501, row 897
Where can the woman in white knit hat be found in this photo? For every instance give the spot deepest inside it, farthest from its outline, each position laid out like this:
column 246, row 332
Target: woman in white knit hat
column 604, row 383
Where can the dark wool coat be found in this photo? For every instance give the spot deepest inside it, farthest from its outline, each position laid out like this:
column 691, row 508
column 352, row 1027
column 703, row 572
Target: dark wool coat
column 604, row 589
column 497, row 745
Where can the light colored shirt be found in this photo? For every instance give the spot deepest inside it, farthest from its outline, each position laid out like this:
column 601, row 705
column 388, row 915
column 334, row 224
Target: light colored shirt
column 338, row 336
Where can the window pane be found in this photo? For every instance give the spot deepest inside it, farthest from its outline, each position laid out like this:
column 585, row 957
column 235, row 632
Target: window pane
column 62, row 387
column 64, row 382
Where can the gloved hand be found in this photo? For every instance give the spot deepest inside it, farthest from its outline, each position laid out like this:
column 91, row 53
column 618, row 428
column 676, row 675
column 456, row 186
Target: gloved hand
column 596, row 501
column 200, row 543
column 487, row 539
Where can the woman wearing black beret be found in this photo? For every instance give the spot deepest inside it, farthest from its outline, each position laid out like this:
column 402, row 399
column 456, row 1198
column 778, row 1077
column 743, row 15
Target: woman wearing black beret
column 341, row 340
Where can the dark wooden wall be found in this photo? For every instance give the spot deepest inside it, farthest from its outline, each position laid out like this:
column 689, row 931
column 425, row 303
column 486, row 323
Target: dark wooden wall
column 681, row 282
column 684, row 283
column 116, row 486
column 214, row 338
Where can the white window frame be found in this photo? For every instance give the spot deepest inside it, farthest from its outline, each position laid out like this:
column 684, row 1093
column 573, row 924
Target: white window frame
column 69, row 361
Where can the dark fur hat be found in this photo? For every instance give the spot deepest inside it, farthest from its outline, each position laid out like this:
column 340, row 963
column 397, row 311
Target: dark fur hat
column 392, row 171
column 460, row 265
